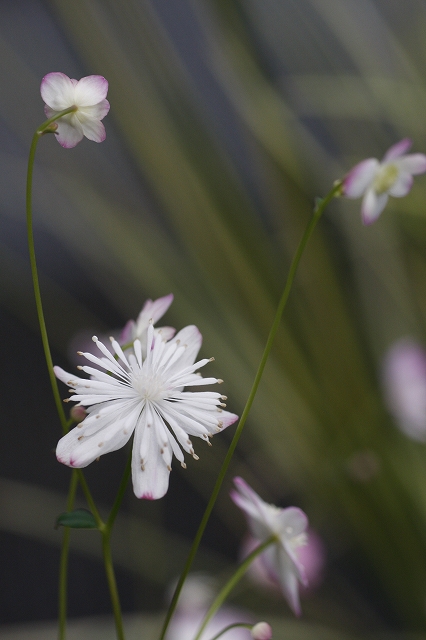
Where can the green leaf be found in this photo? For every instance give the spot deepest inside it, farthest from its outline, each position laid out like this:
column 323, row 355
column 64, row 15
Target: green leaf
column 77, row 519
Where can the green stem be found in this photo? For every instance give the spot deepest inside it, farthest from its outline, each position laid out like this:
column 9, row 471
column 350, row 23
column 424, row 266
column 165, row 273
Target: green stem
column 244, row 625
column 63, row 567
column 43, row 128
column 318, row 211
column 120, row 494
column 235, row 578
column 112, row 584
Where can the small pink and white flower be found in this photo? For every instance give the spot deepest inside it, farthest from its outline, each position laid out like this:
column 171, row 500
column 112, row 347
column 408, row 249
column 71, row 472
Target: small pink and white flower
column 376, row 181
column 289, row 525
column 404, row 381
column 143, row 394
column 88, row 95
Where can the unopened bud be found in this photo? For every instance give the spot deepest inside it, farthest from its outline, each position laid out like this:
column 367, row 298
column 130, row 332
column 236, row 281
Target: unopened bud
column 261, row 631
column 78, row 414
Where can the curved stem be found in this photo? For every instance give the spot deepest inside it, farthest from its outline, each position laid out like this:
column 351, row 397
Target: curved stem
column 63, row 567
column 43, row 128
column 318, row 211
column 235, row 578
column 244, row 625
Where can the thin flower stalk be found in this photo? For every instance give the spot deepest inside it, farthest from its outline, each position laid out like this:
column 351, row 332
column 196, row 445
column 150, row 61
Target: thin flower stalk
column 319, row 208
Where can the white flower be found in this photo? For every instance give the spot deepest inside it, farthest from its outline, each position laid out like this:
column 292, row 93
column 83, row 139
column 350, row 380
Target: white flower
column 143, row 395
column 289, row 525
column 376, row 181
column 152, row 311
column 60, row 92
column 404, row 379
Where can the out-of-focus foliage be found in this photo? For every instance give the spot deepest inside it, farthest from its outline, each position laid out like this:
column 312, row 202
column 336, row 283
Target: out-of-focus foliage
column 227, row 118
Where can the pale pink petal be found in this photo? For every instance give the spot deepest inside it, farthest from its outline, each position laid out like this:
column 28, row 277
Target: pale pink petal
column 57, row 91
column 154, row 310
column 397, row 150
column 360, row 178
column 166, row 333
column 127, row 332
column 415, row 163
column 402, row 185
column 372, row 206
column 93, row 129
column 91, row 90
column 69, row 133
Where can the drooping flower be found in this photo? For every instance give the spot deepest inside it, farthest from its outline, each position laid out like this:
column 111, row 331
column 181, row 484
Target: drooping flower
column 289, row 526
column 88, row 95
column 404, row 381
column 376, row 181
column 144, row 396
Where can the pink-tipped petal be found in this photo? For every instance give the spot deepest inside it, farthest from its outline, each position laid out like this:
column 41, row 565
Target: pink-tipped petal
column 57, row 91
column 372, row 206
column 360, row 178
column 91, row 90
column 155, row 309
column 93, row 130
column 397, row 150
column 293, row 521
column 69, row 134
column 150, row 474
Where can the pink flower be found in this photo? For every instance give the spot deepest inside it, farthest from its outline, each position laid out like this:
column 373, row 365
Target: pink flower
column 376, row 181
column 88, row 95
column 404, row 379
column 288, row 525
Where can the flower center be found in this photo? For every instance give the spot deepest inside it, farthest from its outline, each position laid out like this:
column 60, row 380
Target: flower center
column 385, row 178
column 149, row 387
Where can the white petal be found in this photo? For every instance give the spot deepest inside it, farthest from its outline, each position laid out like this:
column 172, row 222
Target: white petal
column 75, row 450
column 293, row 522
column 90, row 90
column 397, row 150
column 402, row 185
column 69, row 132
column 95, row 111
column 415, row 163
column 372, row 206
column 360, row 178
column 93, row 129
column 192, row 338
column 57, row 91
column 151, row 477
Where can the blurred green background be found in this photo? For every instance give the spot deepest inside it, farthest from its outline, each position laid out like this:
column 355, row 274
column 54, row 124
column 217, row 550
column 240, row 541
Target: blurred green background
column 227, row 118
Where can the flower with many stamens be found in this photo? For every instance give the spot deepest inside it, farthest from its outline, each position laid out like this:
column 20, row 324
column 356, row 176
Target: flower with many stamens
column 144, row 395
column 376, row 181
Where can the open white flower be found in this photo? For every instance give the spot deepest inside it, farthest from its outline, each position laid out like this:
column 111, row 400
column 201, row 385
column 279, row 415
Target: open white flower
column 376, row 181
column 60, row 92
column 289, row 526
column 143, row 395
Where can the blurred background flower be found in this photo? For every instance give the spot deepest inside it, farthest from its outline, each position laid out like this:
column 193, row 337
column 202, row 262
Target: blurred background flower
column 227, row 119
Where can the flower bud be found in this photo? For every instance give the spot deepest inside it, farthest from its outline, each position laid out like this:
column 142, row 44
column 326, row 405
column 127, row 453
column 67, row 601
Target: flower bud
column 78, row 414
column 261, row 631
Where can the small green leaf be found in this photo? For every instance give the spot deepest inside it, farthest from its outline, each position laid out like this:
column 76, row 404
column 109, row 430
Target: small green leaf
column 77, row 519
